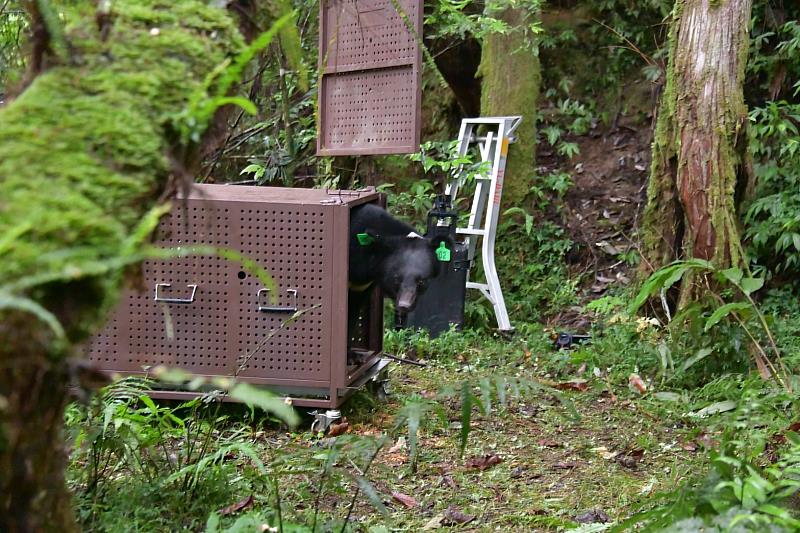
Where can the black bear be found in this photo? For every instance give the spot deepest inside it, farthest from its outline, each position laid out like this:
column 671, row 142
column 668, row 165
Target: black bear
column 389, row 252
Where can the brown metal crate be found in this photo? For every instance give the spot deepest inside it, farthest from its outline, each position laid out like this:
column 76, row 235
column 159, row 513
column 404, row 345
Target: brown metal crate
column 230, row 327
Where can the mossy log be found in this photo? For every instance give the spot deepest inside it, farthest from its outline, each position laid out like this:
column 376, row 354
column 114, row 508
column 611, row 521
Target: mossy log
column 699, row 167
column 511, row 76
column 86, row 149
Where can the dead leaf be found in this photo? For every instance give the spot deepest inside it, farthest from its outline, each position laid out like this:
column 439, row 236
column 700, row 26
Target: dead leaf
column 236, row 507
column 482, row 463
column 338, row 429
column 579, row 385
column 407, row 501
column 631, row 458
column 605, row 246
column 689, row 446
column 455, row 516
column 763, row 370
column 395, row 459
column 780, row 438
column 706, row 441
column 603, row 452
column 399, row 446
column 636, row 383
column 434, row 523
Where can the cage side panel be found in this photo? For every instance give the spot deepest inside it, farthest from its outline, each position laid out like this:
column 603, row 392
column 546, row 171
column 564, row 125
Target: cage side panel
column 375, row 341
column 192, row 335
column 276, row 195
column 293, row 243
column 376, row 330
column 363, row 34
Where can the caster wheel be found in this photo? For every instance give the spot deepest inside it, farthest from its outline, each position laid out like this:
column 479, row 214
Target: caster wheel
column 322, row 421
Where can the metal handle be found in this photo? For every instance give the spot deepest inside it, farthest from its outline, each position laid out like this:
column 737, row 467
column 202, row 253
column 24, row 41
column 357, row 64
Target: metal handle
column 271, row 309
column 175, row 300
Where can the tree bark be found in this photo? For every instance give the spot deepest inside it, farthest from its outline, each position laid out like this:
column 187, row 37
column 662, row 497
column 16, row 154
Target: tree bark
column 699, row 162
column 85, row 151
column 511, row 77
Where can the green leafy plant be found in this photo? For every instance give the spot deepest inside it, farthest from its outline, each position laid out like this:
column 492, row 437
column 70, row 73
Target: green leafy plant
column 459, row 18
column 413, row 203
column 738, row 310
column 736, row 495
column 193, row 121
column 272, row 167
column 773, row 219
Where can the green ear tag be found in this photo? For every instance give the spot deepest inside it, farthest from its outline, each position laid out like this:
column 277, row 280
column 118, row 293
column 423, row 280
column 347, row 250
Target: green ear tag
column 442, row 253
column 364, row 239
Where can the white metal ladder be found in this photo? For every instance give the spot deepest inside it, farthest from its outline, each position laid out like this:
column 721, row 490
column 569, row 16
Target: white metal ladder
column 493, row 148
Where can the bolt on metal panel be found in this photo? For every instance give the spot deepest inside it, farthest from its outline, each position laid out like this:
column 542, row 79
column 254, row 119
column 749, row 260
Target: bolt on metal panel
column 370, row 88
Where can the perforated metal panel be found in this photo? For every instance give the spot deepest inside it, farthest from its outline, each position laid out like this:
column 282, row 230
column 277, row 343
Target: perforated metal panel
column 213, row 317
column 370, row 62
column 186, row 335
column 291, row 242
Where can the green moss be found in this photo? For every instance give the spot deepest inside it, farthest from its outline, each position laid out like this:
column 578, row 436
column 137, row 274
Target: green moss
column 83, row 151
column 511, row 78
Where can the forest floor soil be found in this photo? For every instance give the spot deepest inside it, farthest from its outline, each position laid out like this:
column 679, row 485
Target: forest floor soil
column 602, row 211
column 534, row 465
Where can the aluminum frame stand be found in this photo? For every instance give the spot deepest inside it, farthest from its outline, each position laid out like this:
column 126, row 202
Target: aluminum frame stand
column 485, row 211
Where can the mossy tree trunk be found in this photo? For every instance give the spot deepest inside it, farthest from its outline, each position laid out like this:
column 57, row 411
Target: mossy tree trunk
column 699, row 167
column 510, row 86
column 89, row 147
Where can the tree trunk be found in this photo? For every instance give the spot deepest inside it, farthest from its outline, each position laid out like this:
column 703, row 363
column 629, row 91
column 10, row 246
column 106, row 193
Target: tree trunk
column 699, row 162
column 511, row 77
column 85, row 151
column 33, row 496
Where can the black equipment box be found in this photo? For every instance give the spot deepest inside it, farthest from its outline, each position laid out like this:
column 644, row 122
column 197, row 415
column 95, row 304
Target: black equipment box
column 442, row 305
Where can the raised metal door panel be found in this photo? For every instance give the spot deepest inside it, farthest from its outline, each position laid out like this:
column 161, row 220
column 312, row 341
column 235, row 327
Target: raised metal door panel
column 370, row 63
